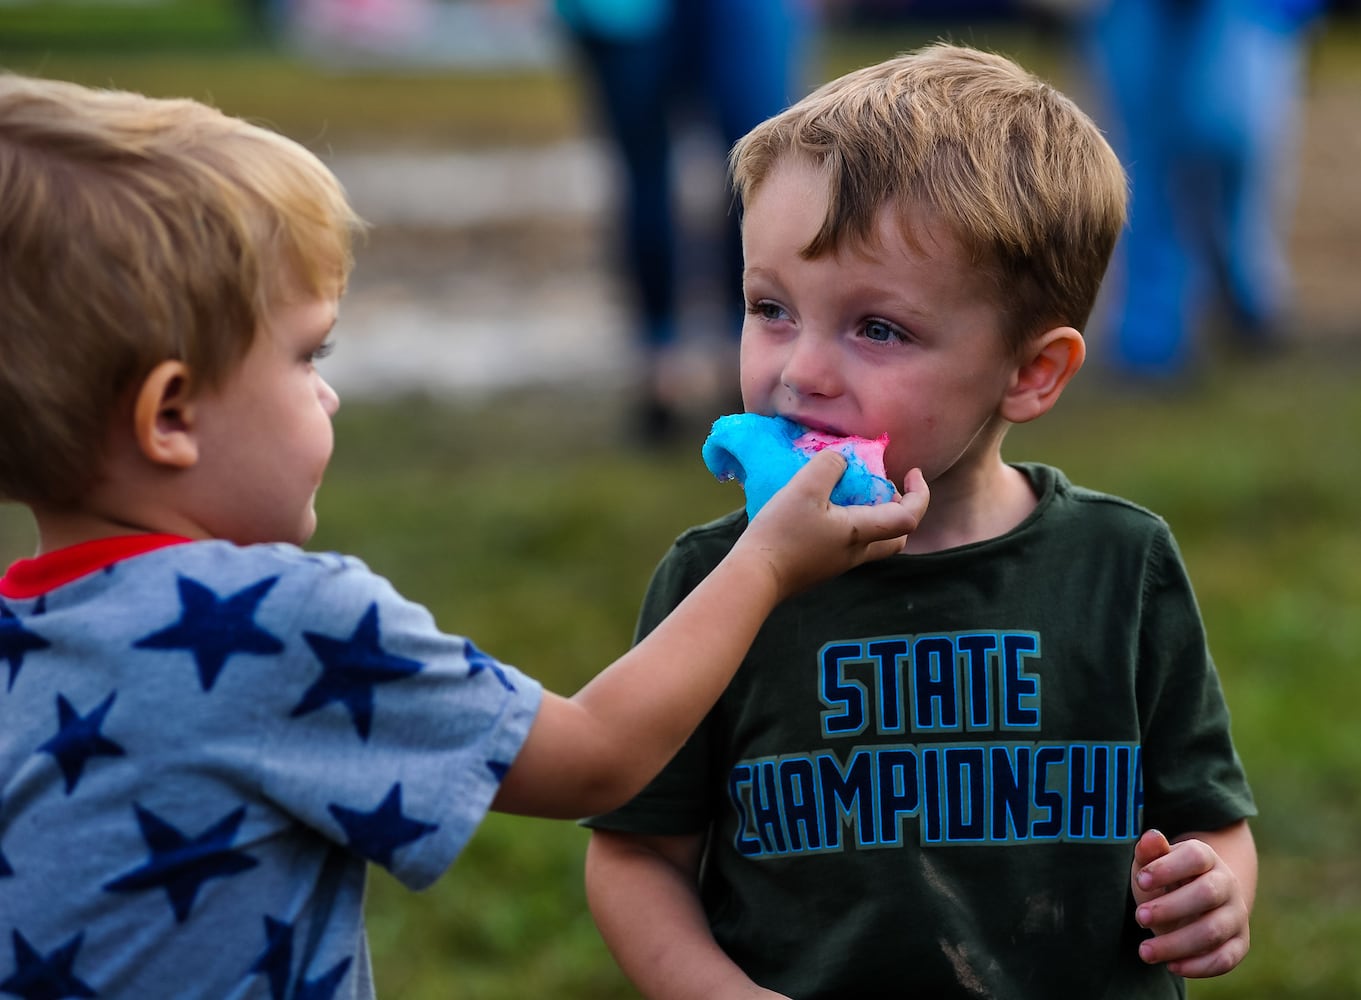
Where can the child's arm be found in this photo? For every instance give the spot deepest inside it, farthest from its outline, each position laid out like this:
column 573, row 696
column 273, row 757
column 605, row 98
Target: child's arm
column 672, row 954
column 1195, row 895
column 591, row 753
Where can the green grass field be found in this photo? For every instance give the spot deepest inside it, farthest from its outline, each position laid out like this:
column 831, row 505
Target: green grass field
column 523, row 522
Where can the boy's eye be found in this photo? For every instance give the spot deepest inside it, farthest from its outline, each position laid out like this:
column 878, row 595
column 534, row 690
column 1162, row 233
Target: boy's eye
column 321, row 351
column 883, row 332
column 766, row 309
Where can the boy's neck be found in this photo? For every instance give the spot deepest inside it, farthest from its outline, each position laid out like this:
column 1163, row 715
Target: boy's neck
column 61, row 529
column 37, row 576
column 970, row 506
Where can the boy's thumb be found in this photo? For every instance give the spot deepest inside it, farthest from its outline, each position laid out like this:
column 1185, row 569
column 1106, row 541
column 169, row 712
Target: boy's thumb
column 1151, row 846
column 822, row 471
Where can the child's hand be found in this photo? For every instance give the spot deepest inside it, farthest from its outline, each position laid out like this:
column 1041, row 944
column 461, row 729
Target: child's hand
column 805, row 538
column 1192, row 901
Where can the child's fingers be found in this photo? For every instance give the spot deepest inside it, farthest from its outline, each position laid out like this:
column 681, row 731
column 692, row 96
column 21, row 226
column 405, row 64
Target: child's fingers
column 1164, row 913
column 1188, row 860
column 1223, row 959
column 820, row 473
column 916, row 494
column 1152, row 847
column 882, row 527
column 1210, row 890
column 817, row 477
column 901, row 517
column 886, row 526
column 1209, row 946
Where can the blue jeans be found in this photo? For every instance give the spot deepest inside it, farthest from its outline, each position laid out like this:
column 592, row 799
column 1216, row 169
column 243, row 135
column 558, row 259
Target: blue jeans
column 736, row 61
column 1201, row 96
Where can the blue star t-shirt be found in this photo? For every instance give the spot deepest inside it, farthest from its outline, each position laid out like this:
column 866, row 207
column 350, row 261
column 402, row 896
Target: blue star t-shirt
column 203, row 745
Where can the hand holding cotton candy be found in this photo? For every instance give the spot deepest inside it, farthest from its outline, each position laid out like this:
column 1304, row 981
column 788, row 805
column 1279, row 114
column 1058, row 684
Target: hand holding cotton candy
column 762, row 453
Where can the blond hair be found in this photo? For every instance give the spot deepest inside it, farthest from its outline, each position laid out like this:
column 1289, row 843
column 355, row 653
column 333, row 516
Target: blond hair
column 135, row 230
column 1019, row 174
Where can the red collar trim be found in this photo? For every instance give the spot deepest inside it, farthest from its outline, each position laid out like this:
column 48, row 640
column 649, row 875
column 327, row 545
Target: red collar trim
column 36, row 576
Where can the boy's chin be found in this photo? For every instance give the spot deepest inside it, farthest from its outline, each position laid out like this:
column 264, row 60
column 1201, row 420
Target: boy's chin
column 308, row 529
column 300, row 535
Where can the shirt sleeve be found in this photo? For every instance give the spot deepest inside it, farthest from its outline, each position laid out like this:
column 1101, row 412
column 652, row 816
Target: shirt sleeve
column 1194, row 779
column 396, row 735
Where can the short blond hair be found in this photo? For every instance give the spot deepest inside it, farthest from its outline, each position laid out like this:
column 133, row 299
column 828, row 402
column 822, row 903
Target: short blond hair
column 134, row 230
column 1017, row 172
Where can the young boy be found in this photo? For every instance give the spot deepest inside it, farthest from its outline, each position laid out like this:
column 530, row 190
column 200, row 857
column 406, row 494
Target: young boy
column 930, row 777
column 205, row 738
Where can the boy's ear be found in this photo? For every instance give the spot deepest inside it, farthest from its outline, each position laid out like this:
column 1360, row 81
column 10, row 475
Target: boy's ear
column 1049, row 362
column 163, row 416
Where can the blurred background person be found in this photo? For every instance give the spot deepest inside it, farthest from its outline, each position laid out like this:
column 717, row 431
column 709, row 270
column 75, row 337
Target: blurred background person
column 1202, row 100
column 658, row 67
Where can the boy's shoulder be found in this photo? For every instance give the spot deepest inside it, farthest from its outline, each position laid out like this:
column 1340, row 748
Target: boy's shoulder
column 225, row 563
column 719, row 531
column 317, row 585
column 1077, row 524
column 698, row 549
column 281, row 556
column 1060, row 497
column 709, row 542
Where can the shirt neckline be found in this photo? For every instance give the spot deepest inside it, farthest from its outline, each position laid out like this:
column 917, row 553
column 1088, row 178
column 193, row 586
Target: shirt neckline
column 41, row 574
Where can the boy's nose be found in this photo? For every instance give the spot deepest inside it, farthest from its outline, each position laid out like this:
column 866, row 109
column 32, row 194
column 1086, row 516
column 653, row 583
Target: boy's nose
column 330, row 399
column 809, row 368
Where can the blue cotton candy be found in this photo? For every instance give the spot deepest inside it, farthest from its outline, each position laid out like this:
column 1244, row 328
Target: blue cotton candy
column 763, row 453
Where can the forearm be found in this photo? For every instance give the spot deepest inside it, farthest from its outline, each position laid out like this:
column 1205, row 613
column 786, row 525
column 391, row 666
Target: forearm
column 629, row 720
column 648, row 911
column 654, row 696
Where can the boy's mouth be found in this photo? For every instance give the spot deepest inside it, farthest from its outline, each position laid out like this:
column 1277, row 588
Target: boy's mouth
column 817, row 426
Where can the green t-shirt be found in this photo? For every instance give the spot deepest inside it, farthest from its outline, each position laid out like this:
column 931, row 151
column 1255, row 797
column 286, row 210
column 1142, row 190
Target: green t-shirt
column 928, row 775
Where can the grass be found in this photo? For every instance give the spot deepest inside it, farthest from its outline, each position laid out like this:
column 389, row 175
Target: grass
column 523, row 523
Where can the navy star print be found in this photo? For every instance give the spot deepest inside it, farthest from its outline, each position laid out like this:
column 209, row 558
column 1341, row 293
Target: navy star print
column 350, row 670
column 5, row 867
column 179, row 864
column 324, row 986
column 277, row 958
column 16, row 642
column 479, row 661
column 78, row 739
column 45, row 977
column 214, row 628
column 377, row 834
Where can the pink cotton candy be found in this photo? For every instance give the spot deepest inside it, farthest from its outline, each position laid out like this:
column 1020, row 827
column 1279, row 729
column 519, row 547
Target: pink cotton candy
column 868, row 450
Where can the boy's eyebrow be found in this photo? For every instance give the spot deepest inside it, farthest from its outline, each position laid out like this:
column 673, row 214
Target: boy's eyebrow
column 770, row 274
